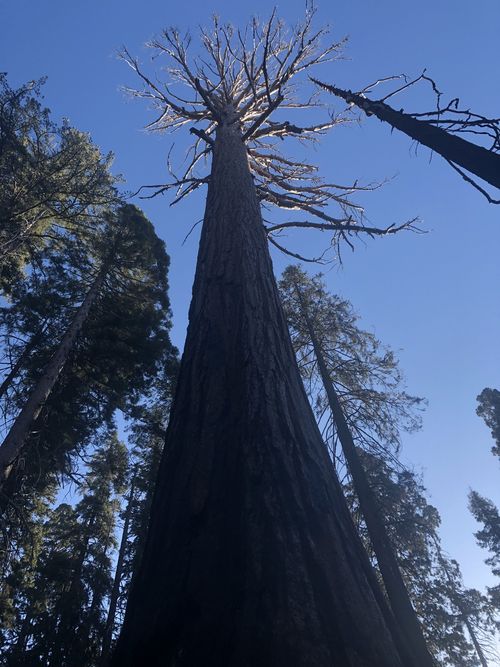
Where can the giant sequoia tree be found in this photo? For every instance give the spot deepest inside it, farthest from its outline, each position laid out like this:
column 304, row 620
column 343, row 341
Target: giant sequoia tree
column 251, row 556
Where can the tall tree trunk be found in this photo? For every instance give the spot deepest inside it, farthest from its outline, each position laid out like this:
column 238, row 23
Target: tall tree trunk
column 69, row 614
column 145, row 509
column 18, row 364
column 251, row 557
column 15, row 439
column 474, row 158
column 394, row 584
column 24, row 634
column 115, row 592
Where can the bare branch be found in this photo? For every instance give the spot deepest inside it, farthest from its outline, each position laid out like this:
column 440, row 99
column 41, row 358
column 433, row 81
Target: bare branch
column 473, row 183
column 315, row 260
column 438, row 128
column 410, row 225
column 240, row 79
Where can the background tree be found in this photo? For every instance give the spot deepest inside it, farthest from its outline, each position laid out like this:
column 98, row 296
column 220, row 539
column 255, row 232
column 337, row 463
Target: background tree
column 399, row 527
column 121, row 357
column 488, row 537
column 63, row 619
column 458, row 622
column 489, row 410
column 53, row 178
column 484, row 510
column 251, row 556
column 130, row 285
column 311, row 308
column 147, row 437
column 365, row 373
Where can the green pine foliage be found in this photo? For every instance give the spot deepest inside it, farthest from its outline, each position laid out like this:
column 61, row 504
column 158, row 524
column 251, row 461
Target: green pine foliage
column 365, row 373
column 53, row 179
column 62, row 221
column 62, row 614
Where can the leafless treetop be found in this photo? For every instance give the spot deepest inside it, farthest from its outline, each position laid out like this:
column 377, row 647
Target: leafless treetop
column 253, row 73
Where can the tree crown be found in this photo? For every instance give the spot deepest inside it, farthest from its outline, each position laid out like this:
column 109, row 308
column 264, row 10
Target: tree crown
column 242, row 79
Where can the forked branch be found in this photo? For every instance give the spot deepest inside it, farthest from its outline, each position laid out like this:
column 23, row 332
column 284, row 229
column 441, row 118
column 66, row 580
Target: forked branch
column 243, row 78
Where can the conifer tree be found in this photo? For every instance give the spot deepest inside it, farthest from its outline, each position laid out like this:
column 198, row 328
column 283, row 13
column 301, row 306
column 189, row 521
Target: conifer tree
column 367, row 412
column 489, row 410
column 251, row 556
column 53, row 178
column 483, row 509
column 122, row 353
column 115, row 337
column 64, row 616
column 147, row 437
column 365, row 373
column 317, row 339
column 458, row 622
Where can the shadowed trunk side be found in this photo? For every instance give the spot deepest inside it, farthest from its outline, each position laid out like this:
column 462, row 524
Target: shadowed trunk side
column 251, row 557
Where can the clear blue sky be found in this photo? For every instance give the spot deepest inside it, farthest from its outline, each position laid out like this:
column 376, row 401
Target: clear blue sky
column 432, row 297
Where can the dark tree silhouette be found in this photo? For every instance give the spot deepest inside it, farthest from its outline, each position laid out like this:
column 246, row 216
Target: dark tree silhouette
column 438, row 130
column 251, row 556
column 489, row 409
column 393, row 581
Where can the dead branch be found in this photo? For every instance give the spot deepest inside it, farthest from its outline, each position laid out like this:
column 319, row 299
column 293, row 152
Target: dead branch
column 243, row 78
column 438, row 129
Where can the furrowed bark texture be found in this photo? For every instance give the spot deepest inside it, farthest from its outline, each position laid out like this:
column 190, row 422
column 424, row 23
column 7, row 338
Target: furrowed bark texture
column 391, row 574
column 476, row 159
column 251, row 558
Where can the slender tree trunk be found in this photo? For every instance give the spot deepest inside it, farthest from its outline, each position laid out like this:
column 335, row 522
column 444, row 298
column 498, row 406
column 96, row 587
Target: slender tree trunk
column 18, row 364
column 475, row 641
column 15, row 439
column 24, row 634
column 394, row 584
column 465, row 616
column 12, row 485
column 146, row 509
column 115, row 592
column 251, row 557
column 474, row 158
column 69, row 615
